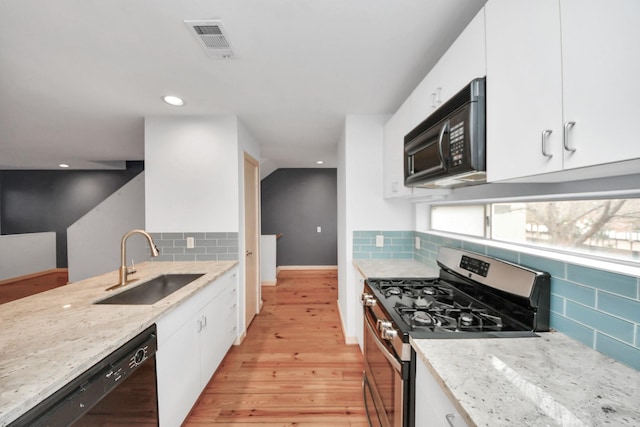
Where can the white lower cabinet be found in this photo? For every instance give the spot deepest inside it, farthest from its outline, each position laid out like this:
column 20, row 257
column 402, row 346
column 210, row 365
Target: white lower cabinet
column 433, row 407
column 192, row 341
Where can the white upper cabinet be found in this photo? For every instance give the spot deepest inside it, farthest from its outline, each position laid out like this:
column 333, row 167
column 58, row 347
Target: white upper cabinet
column 524, row 87
column 464, row 61
column 393, row 150
column 601, row 87
column 562, row 86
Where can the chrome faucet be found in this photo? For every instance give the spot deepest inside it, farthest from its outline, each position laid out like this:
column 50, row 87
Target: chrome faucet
column 124, row 271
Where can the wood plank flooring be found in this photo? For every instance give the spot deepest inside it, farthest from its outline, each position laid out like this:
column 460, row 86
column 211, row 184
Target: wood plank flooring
column 293, row 368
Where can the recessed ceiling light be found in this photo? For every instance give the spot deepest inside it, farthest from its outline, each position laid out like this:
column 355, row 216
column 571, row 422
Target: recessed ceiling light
column 320, row 162
column 173, row 100
column 63, row 165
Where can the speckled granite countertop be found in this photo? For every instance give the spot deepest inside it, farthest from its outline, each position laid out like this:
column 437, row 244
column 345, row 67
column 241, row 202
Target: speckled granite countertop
column 394, row 268
column 50, row 338
column 547, row 381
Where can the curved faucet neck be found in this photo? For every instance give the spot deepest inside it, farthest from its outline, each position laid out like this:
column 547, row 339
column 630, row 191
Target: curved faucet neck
column 123, row 252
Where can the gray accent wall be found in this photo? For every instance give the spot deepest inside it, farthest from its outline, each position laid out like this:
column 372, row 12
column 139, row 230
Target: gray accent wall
column 294, row 203
column 51, row 200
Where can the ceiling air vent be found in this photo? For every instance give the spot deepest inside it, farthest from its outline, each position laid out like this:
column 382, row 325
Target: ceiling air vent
column 210, row 35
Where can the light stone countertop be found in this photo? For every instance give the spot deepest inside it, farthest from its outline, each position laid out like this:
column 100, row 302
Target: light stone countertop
column 552, row 380
column 48, row 339
column 394, row 268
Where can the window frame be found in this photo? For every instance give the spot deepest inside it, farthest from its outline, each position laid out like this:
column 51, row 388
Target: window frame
column 622, row 266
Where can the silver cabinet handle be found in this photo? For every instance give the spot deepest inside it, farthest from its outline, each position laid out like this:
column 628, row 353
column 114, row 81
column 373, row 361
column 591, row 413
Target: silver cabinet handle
column 545, row 134
column 567, row 126
column 450, row 418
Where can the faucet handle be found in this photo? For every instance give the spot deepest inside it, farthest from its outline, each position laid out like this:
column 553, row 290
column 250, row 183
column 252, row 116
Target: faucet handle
column 132, row 269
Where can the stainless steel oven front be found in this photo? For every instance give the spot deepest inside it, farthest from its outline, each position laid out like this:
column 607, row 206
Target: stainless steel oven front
column 388, row 362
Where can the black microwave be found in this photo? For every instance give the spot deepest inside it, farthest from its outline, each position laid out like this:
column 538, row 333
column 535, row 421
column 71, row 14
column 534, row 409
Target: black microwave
column 448, row 148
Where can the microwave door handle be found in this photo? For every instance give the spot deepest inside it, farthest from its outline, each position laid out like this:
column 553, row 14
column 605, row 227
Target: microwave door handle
column 443, row 130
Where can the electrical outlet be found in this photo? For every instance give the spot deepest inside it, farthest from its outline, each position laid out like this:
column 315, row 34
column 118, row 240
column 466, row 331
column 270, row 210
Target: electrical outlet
column 417, row 242
column 379, row 241
column 190, row 243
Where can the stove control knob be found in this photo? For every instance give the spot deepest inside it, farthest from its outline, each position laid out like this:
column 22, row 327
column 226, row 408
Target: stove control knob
column 388, row 334
column 368, row 300
column 383, row 324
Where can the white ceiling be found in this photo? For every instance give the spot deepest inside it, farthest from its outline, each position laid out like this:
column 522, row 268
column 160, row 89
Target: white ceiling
column 77, row 77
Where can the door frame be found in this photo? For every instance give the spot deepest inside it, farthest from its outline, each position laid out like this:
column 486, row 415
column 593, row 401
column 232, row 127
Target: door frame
column 251, row 243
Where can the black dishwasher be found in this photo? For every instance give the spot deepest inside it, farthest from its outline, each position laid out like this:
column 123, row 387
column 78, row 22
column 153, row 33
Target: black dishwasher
column 120, row 389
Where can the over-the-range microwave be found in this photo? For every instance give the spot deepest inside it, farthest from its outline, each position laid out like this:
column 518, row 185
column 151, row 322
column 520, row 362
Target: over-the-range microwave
column 448, row 148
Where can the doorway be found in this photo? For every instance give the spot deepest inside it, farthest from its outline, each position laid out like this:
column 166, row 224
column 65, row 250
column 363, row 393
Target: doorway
column 251, row 238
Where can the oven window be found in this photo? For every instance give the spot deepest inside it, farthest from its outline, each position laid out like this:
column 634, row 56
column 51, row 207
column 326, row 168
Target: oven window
column 370, row 405
column 383, row 376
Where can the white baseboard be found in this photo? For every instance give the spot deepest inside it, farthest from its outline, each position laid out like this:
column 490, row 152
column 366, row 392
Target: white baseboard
column 305, row 267
column 347, row 339
column 241, row 338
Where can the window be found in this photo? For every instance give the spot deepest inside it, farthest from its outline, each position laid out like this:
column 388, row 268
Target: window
column 602, row 227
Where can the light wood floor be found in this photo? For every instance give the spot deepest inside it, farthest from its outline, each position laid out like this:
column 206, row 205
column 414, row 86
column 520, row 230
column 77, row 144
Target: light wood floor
column 293, row 368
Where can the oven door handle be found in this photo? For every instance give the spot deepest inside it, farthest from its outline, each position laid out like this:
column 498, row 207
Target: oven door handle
column 390, row 357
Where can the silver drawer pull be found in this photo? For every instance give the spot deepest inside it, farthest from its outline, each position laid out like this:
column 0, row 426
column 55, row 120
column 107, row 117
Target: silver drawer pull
column 450, row 418
column 545, row 134
column 567, row 126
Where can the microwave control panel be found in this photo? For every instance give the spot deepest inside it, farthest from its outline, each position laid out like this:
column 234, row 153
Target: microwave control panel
column 456, row 144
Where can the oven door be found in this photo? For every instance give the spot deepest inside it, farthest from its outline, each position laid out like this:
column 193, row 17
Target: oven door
column 383, row 384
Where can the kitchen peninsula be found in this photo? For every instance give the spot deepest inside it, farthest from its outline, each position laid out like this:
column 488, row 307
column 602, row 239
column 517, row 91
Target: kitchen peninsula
column 48, row 339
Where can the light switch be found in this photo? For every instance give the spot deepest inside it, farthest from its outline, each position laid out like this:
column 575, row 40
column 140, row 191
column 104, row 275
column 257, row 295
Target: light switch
column 319, row 229
column 417, row 242
column 379, row 241
column 190, row 243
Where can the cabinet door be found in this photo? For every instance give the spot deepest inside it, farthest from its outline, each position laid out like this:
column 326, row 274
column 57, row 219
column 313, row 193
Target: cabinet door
column 178, row 372
column 601, row 86
column 219, row 320
column 524, row 88
column 433, row 407
column 393, row 150
column 464, row 61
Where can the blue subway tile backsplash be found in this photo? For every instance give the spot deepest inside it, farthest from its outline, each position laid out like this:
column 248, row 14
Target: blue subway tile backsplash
column 598, row 308
column 214, row 246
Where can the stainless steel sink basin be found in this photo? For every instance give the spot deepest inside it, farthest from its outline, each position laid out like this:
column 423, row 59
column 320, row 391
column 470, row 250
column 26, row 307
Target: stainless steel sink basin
column 152, row 290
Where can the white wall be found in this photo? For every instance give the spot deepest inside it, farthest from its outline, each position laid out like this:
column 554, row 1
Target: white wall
column 268, row 259
column 191, row 167
column 22, row 254
column 361, row 205
column 93, row 242
column 194, row 177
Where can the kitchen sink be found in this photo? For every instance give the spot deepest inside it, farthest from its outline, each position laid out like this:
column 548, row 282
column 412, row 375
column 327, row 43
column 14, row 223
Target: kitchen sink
column 152, row 290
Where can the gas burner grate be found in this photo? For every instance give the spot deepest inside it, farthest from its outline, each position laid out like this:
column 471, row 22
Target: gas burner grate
column 443, row 317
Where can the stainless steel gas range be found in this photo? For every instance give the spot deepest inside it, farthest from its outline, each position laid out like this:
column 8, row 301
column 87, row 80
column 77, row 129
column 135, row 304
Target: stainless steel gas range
column 475, row 296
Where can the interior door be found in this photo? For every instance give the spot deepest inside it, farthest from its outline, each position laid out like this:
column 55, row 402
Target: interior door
column 251, row 238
